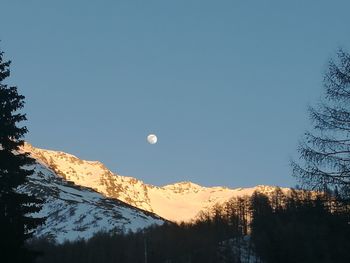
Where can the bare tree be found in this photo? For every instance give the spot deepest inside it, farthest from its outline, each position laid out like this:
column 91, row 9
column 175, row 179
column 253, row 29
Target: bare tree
column 325, row 152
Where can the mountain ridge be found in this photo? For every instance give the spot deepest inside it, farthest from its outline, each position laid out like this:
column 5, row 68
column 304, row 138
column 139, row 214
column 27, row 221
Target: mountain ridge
column 180, row 201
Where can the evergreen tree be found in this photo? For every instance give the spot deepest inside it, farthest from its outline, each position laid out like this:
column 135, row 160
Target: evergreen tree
column 326, row 151
column 15, row 225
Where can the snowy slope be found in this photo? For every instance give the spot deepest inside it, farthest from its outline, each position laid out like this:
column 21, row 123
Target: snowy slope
column 175, row 202
column 75, row 212
column 183, row 201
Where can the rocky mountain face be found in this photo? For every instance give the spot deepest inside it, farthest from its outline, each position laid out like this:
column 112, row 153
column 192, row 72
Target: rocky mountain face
column 77, row 212
column 175, row 202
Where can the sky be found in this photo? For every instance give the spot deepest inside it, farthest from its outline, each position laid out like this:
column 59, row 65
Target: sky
column 224, row 84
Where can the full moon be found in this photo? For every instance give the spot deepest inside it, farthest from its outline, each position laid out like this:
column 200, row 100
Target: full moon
column 152, row 139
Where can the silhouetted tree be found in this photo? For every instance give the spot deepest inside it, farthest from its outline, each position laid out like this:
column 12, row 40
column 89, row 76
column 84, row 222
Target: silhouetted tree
column 15, row 225
column 326, row 151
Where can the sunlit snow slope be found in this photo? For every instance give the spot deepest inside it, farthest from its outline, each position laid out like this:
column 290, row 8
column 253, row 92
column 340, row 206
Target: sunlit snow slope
column 74, row 212
column 175, row 202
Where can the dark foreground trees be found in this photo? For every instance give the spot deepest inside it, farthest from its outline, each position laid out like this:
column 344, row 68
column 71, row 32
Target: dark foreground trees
column 15, row 225
column 307, row 228
column 326, row 150
column 295, row 227
column 168, row 243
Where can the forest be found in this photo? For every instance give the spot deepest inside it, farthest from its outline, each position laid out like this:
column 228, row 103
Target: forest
column 296, row 226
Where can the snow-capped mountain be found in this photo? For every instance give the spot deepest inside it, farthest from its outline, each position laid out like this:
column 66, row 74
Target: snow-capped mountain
column 73, row 212
column 175, row 202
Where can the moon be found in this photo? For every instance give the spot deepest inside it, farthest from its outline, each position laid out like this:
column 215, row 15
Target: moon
column 152, row 139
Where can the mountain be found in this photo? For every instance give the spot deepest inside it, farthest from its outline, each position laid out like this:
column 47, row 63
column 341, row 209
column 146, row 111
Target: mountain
column 75, row 212
column 175, row 202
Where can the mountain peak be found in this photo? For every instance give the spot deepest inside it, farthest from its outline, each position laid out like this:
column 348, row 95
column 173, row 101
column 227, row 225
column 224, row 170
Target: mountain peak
column 183, row 184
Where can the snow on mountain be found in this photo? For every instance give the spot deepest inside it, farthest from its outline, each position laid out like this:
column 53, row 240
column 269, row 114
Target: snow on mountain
column 75, row 212
column 175, row 202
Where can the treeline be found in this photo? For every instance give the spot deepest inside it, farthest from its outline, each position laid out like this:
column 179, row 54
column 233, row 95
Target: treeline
column 302, row 227
column 197, row 242
column 291, row 227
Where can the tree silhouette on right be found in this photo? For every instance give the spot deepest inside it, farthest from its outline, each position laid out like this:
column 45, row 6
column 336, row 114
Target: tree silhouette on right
column 325, row 151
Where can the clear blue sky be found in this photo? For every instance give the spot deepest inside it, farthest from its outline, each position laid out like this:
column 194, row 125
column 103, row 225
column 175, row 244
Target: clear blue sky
column 224, row 84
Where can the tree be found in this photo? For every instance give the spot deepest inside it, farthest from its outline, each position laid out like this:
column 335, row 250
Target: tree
column 15, row 224
column 325, row 152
